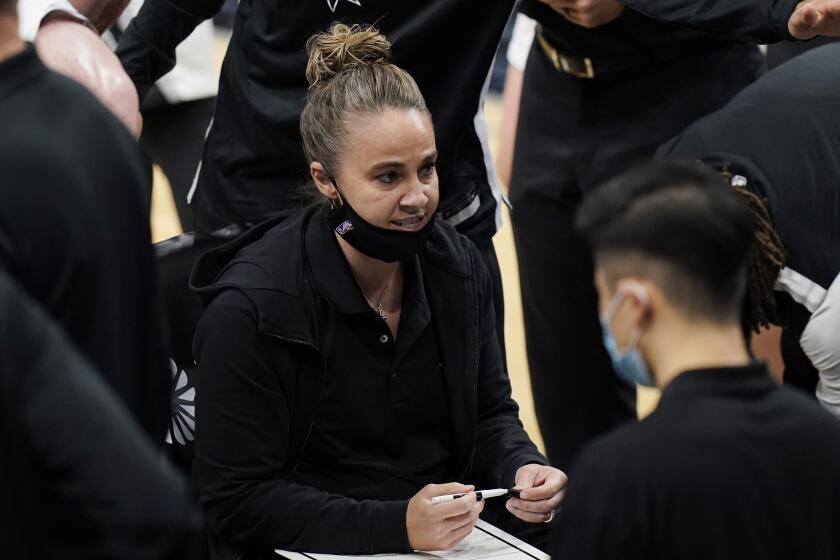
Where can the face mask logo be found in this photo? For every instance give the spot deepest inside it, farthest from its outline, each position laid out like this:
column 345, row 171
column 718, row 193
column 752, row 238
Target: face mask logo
column 344, row 227
column 388, row 245
column 629, row 365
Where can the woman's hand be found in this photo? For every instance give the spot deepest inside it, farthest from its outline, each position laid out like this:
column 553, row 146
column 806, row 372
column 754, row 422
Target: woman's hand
column 441, row 526
column 541, row 491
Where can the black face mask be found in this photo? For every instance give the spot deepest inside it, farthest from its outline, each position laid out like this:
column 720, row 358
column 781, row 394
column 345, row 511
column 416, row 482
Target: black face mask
column 387, row 245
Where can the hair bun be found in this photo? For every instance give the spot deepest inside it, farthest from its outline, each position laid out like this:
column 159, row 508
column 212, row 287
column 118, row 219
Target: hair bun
column 344, row 47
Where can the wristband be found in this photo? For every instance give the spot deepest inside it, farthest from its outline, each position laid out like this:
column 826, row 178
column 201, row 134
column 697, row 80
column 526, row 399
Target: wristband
column 69, row 10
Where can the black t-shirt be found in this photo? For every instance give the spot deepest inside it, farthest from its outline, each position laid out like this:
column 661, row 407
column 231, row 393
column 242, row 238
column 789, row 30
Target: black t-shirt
column 74, row 229
column 383, row 424
column 253, row 162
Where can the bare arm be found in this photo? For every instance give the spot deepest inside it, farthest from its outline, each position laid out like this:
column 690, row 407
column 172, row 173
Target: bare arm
column 510, row 117
column 75, row 51
column 146, row 52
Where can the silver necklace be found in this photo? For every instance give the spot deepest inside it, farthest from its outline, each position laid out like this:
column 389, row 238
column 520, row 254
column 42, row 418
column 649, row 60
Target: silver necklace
column 378, row 305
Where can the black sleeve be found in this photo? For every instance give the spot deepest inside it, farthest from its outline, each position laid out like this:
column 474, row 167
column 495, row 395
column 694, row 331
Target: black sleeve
column 79, row 435
column 244, row 409
column 598, row 519
column 147, row 47
column 502, row 445
column 755, row 21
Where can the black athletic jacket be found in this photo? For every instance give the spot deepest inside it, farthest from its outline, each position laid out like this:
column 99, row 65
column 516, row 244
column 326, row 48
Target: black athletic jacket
column 262, row 375
column 782, row 134
column 253, row 162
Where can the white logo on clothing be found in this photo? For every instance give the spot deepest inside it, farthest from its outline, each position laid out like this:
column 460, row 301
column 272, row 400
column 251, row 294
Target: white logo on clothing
column 333, row 4
column 182, row 422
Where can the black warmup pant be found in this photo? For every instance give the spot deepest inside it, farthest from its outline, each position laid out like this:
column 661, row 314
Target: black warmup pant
column 173, row 137
column 573, row 134
column 779, row 53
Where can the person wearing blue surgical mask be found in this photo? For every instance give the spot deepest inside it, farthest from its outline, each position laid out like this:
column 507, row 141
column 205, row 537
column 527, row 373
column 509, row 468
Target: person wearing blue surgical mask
column 730, row 464
column 628, row 365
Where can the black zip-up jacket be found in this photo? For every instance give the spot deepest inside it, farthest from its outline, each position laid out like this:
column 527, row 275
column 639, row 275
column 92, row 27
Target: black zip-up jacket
column 262, row 374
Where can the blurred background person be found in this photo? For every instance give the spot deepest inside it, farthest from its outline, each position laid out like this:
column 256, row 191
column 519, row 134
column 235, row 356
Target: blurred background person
column 778, row 144
column 74, row 224
column 515, row 56
column 603, row 87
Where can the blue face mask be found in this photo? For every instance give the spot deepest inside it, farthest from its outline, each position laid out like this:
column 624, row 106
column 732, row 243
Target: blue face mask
column 628, row 365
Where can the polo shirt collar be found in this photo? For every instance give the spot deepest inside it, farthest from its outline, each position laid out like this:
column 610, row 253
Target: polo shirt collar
column 750, row 380
column 334, row 279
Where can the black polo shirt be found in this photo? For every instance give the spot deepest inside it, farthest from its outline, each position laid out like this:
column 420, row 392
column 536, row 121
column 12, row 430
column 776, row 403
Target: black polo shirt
column 382, row 427
column 730, row 465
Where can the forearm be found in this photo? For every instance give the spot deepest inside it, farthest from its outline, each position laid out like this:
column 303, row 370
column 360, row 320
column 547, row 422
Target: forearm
column 147, row 46
column 756, row 21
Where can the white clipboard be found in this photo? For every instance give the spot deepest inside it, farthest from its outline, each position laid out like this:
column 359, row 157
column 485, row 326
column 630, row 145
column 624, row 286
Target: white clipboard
column 485, row 542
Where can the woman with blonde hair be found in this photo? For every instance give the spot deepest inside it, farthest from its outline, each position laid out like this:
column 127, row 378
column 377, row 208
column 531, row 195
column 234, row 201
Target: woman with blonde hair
column 350, row 367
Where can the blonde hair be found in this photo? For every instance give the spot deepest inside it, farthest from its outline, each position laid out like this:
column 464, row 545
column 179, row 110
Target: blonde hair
column 349, row 73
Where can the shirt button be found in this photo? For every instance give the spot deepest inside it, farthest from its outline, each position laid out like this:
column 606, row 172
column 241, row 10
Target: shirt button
column 383, row 339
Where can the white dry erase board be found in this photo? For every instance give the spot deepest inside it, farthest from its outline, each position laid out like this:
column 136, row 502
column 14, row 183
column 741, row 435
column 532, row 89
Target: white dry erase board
column 485, row 541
